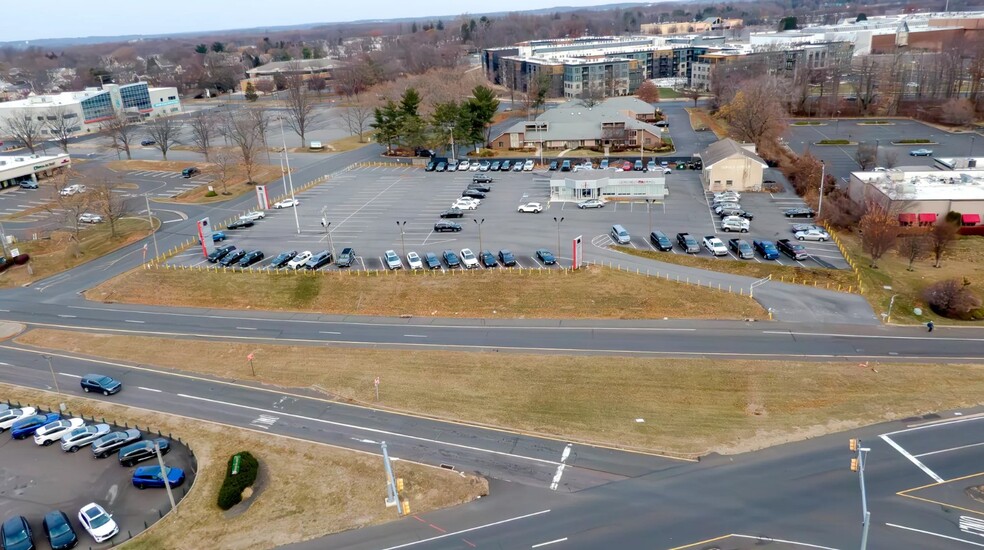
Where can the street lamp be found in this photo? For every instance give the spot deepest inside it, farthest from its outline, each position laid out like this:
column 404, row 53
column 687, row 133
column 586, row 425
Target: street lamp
column 327, row 225
column 558, row 221
column 823, row 174
column 857, row 465
column 167, row 484
column 403, row 245
column 52, row 369
column 289, row 178
column 649, row 212
column 479, row 224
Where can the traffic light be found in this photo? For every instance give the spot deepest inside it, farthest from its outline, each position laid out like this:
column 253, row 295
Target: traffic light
column 854, row 464
column 853, row 445
column 406, row 507
column 399, row 485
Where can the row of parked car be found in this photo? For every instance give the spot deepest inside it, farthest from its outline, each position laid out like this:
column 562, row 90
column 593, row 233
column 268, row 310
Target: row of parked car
column 480, row 165
column 470, row 199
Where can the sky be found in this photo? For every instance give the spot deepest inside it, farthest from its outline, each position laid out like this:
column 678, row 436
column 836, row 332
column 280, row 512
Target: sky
column 23, row 21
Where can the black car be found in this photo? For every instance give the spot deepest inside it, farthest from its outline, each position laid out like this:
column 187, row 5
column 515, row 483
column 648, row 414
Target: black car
column 16, row 534
column 553, row 166
column 441, row 227
column 451, row 259
column 660, row 241
column 59, row 530
column 220, row 253
column 799, row 213
column 232, row 257
column 495, row 166
column 507, row 258
column 432, row 261
column 105, row 445
column 142, row 450
column 319, row 260
column 101, row 384
column 484, row 188
column 147, row 142
column 188, row 172
column 488, row 259
column 239, row 224
column 506, row 165
column 473, row 193
column 688, row 243
column 792, row 249
column 430, row 166
column 251, row 258
column 546, row 256
column 481, row 178
column 282, row 258
column 452, row 213
column 732, row 211
column 346, row 258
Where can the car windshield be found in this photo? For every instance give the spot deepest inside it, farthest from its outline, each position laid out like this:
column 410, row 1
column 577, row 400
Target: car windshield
column 17, row 536
column 99, row 520
column 58, row 527
column 466, row 254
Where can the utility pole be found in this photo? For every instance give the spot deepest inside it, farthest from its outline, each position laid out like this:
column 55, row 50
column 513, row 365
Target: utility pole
column 857, row 465
column 403, row 244
column 558, row 221
column 649, row 211
column 290, row 177
column 52, row 369
column 167, row 484
column 393, row 486
column 150, row 220
column 823, row 174
column 479, row 224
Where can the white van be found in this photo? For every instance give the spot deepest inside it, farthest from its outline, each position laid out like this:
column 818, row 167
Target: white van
column 620, row 235
column 735, row 223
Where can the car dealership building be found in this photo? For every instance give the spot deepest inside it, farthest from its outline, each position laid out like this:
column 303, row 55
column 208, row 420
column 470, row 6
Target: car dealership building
column 14, row 170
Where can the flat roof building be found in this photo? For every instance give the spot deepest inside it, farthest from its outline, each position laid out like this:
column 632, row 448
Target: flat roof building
column 921, row 196
column 15, row 169
column 606, row 185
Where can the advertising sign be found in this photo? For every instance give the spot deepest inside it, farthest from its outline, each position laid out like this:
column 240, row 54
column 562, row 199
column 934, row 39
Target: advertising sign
column 578, row 250
column 205, row 236
column 261, row 197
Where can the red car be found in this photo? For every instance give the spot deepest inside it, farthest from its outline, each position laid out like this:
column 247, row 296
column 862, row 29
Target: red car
column 627, row 166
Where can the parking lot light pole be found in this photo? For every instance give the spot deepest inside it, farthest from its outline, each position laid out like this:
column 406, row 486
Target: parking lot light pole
column 403, row 244
column 558, row 220
column 479, row 223
column 167, row 484
column 52, row 369
column 150, row 220
column 290, row 178
column 823, row 175
column 649, row 212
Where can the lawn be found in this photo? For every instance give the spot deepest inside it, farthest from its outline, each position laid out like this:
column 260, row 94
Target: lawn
column 344, row 144
column 60, row 253
column 690, row 406
column 700, row 118
column 668, row 93
column 594, row 292
column 310, row 490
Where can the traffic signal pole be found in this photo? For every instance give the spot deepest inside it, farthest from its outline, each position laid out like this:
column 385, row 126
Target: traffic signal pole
column 857, row 465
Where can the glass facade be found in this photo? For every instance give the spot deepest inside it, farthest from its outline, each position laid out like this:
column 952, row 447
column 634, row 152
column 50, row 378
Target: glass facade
column 96, row 108
column 136, row 96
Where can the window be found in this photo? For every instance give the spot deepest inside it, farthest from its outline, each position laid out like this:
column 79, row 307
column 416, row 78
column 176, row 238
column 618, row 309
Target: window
column 717, row 182
column 729, row 183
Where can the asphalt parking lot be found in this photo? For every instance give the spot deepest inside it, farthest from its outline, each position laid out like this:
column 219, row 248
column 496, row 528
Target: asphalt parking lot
column 367, row 208
column 35, row 480
column 160, row 183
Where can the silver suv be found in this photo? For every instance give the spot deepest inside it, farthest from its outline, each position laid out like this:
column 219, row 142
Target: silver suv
column 105, row 445
column 80, row 437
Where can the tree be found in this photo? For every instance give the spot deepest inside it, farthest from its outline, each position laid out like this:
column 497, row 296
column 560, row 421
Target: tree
column 756, row 114
column 535, row 97
column 357, row 116
column 648, row 91
column 202, row 125
column 861, row 17
column 107, row 201
column 62, row 124
column 692, row 94
column 164, row 131
column 297, row 103
column 787, row 24
column 483, row 105
column 68, row 208
column 865, row 83
column 912, row 245
column 386, row 124
column 245, row 131
column 223, row 164
column 957, row 111
column 218, row 47
column 25, row 127
column 591, row 95
column 865, row 155
column 250, row 92
column 879, row 230
column 318, row 84
column 941, row 236
column 951, row 297
column 201, row 48
column 121, row 130
column 264, row 86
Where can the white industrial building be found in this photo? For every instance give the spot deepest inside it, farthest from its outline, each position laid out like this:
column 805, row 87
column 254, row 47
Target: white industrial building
column 920, row 196
column 607, row 185
column 15, row 169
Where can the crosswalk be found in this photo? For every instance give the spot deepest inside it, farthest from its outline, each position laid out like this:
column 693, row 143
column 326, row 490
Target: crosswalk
column 155, row 174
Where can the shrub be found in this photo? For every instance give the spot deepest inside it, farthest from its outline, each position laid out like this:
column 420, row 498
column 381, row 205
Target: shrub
column 211, row 194
column 920, row 140
column 952, row 298
column 833, row 142
column 231, row 492
column 21, row 259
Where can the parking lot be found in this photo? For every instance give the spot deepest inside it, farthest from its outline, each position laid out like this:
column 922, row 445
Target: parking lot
column 159, row 183
column 36, row 480
column 374, row 209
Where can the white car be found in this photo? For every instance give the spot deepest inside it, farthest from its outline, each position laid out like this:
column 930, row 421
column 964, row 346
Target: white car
column 89, row 217
column 528, row 166
column 591, row 203
column 463, row 165
column 728, row 195
column 468, row 258
column 286, row 203
column 667, row 171
column 414, row 261
column 474, row 166
column 531, row 207
column 71, row 190
column 80, row 437
column 392, row 260
column 9, row 416
column 715, row 246
column 253, row 216
column 49, row 433
column 813, row 235
column 470, row 204
column 98, row 522
column 299, row 260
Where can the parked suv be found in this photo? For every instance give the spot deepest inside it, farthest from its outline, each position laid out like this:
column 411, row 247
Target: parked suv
column 346, row 258
column 660, row 240
column 735, row 223
column 688, row 243
column 766, row 249
column 792, row 249
column 102, row 447
column 142, row 450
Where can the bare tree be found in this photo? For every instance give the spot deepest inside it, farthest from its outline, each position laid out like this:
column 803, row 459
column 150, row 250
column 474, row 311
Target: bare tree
column 592, row 95
column 243, row 130
column 318, row 84
column 891, row 157
column 122, row 131
column 25, row 127
column 68, row 208
column 357, row 117
column 164, row 131
column 941, row 236
column 202, row 131
column 912, row 246
column 62, row 124
column 865, row 155
column 107, row 201
column 223, row 165
column 879, row 230
column 756, row 114
column 300, row 108
column 957, row 111
column 692, row 94
column 865, row 83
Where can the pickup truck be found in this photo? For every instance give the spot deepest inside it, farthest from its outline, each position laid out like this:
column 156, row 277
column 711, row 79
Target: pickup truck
column 793, row 250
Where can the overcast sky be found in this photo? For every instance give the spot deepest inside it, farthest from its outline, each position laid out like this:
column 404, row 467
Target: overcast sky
column 23, row 20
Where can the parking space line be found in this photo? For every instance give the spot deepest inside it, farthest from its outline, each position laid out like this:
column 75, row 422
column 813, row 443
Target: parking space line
column 911, row 458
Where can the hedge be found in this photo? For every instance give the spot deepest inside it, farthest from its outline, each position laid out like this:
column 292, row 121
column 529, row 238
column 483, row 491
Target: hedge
column 834, row 142
column 972, row 230
column 231, row 492
column 921, row 140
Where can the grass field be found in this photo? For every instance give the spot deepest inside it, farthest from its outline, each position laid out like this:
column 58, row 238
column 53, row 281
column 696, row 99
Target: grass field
column 344, row 484
column 344, row 144
column 587, row 293
column 57, row 254
column 700, row 118
column 690, row 407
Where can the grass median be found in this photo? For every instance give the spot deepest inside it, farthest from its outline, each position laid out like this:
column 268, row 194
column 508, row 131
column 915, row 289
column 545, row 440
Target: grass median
column 311, row 489
column 594, row 292
column 688, row 407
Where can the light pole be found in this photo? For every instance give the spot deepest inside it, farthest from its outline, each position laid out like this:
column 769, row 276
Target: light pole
column 52, row 369
column 450, row 128
column 167, row 484
column 479, row 224
column 857, row 465
column 888, row 318
column 327, row 225
column 823, row 175
column 649, row 212
column 971, row 153
column 558, row 221
column 403, row 245
column 837, row 125
column 150, row 220
column 290, row 178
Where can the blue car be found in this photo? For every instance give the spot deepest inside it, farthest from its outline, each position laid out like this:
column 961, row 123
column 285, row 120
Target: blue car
column 451, row 259
column 25, row 427
column 59, row 530
column 100, row 383
column 217, row 237
column 16, row 534
column 766, row 249
column 150, row 476
column 546, row 256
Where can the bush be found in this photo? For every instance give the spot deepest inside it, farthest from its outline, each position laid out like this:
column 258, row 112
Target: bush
column 211, row 194
column 920, row 140
column 231, row 492
column 952, row 298
column 972, row 230
column 833, row 142
column 21, row 259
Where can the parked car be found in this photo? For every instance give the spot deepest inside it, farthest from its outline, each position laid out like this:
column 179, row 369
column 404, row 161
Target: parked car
column 442, row 227
column 80, row 437
column 100, row 383
column 142, row 450
column 565, row 166
column 217, row 237
column 441, row 166
column 799, row 213
column 286, row 203
column 475, row 166
column 553, row 166
column 662, row 124
column 240, row 224
column 507, row 258
column 487, row 258
column 318, row 260
column 518, row 166
column 25, row 427
column 797, row 227
column 105, row 445
column 430, row 166
column 28, row 184
column 813, row 235
column 220, row 253
column 468, row 258
column 728, row 195
column 921, row 152
column 15, row 534
column 466, row 203
column 251, row 258
column 414, row 261
column 432, row 261
column 232, row 258
column 483, row 187
column 495, row 166
column 688, row 243
column 637, row 166
column 626, row 166
column 53, row 431
column 189, row 172
column 651, row 166
column 732, row 211
column 282, row 258
column 473, row 193
column 505, row 166
column 346, row 258
column 546, row 256
column 481, row 178
column 528, row 165
column 9, row 416
column 253, row 216
column 531, row 207
column 151, row 476
column 146, row 142
column 70, row 190
column 660, row 241
column 766, row 249
column 299, row 260
column 741, row 248
column 451, row 259
column 392, row 260
column 89, row 217
column 463, row 165
column 735, row 223
column 58, row 530
column 591, row 203
column 793, row 250
column 719, row 208
column 97, row 522
column 715, row 246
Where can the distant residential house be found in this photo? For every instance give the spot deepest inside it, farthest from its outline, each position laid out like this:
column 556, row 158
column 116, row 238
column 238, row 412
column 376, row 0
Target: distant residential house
column 307, row 68
column 729, row 165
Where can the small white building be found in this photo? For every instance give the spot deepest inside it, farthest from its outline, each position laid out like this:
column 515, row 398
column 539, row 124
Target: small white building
column 920, row 196
column 14, row 170
column 607, row 185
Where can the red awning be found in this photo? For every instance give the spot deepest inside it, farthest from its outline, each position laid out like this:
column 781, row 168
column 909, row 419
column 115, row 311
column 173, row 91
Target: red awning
column 927, row 218
column 971, row 219
column 907, row 217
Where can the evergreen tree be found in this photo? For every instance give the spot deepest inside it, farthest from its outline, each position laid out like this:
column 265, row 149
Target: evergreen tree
column 250, row 92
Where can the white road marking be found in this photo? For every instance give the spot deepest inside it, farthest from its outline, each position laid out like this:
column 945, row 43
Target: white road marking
column 781, row 541
column 912, row 459
column 148, row 389
column 871, row 336
column 548, row 542
column 132, row 321
column 950, row 449
column 328, row 332
column 560, row 469
column 67, row 316
column 972, row 525
column 932, row 534
column 69, row 375
column 415, row 335
column 245, row 328
column 463, row 531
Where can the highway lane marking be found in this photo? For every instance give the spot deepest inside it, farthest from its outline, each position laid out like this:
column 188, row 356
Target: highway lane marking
column 245, row 328
column 69, row 375
column 932, row 534
column 148, row 389
column 133, row 321
column 948, row 450
column 560, row 469
column 328, row 332
column 463, row 531
column 911, row 458
column 370, row 430
column 782, row 541
column 548, row 542
column 415, row 335
column 66, row 316
column 871, row 336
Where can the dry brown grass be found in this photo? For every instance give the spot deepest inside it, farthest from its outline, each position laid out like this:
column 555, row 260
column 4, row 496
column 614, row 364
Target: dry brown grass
column 342, row 145
column 699, row 118
column 313, row 489
column 161, row 165
column 587, row 293
column 690, row 406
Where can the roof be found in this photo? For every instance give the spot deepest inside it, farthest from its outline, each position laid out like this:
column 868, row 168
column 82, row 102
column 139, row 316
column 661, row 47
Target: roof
column 574, row 121
column 925, row 185
column 305, row 65
column 727, row 148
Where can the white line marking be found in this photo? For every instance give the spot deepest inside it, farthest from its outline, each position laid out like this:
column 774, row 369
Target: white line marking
column 415, row 335
column 67, row 316
column 548, row 542
column 463, row 531
column 912, row 459
column 245, row 328
column 938, row 424
column 781, row 541
column 132, row 321
column 872, row 336
column 560, row 469
column 950, row 449
column 148, row 389
column 69, row 375
column 930, row 533
column 328, row 332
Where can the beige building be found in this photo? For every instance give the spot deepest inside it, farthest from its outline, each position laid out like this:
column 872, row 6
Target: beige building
column 919, row 196
column 732, row 165
column 710, row 24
